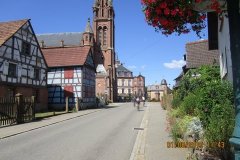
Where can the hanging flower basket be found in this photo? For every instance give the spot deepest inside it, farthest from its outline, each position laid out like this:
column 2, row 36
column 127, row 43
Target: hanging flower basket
column 179, row 16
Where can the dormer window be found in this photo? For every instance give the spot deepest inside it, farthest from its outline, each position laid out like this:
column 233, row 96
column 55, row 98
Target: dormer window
column 26, row 48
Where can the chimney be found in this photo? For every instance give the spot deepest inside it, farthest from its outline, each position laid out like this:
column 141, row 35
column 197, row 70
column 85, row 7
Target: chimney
column 62, row 43
column 42, row 44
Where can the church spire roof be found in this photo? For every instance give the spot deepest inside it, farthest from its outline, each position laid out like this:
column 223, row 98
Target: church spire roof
column 96, row 3
column 110, row 2
column 88, row 27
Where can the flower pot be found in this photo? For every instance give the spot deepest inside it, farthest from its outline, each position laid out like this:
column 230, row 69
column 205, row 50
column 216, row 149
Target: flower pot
column 205, row 5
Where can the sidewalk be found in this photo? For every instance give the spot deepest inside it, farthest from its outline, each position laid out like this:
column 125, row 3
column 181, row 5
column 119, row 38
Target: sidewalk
column 151, row 143
column 26, row 127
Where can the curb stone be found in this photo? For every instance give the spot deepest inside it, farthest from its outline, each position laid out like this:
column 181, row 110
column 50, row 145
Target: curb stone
column 138, row 152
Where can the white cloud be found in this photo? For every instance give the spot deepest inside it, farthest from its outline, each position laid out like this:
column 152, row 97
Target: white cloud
column 175, row 64
column 132, row 67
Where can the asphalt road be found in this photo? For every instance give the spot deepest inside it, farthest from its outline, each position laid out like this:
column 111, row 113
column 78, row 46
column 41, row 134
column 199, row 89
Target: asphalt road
column 105, row 135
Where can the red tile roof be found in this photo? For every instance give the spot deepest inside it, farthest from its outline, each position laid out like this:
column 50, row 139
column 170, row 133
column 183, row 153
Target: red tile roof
column 198, row 54
column 66, row 56
column 7, row 29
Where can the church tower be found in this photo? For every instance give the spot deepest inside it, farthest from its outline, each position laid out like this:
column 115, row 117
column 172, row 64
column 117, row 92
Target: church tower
column 104, row 34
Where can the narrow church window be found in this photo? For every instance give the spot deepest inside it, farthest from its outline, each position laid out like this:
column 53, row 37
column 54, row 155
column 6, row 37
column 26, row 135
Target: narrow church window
column 102, row 12
column 86, row 38
column 99, row 35
column 104, row 36
column 102, row 8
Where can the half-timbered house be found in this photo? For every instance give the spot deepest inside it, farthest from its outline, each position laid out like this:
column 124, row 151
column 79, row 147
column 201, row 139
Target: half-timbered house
column 71, row 70
column 22, row 65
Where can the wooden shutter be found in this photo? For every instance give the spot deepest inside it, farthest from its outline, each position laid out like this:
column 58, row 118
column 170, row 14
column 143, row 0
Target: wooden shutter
column 68, row 91
column 212, row 30
column 5, row 67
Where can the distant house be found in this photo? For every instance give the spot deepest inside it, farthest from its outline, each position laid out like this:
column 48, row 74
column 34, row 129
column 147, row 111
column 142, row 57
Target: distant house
column 156, row 91
column 22, row 65
column 124, row 82
column 71, row 70
column 139, row 85
column 198, row 54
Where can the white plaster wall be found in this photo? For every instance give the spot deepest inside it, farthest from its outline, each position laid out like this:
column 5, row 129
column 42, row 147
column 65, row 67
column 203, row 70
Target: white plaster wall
column 224, row 49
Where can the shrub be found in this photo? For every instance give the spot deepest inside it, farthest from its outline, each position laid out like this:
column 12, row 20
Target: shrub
column 215, row 93
column 189, row 104
column 220, row 127
column 176, row 102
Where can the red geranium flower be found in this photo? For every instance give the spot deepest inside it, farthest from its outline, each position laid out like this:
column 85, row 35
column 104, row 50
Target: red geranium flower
column 178, row 16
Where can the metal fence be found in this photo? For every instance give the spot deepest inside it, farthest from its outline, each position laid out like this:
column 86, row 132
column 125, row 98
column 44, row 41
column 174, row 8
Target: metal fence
column 16, row 110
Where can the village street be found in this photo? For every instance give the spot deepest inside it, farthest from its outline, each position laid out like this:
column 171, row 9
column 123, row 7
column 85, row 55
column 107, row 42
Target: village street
column 105, row 135
column 108, row 134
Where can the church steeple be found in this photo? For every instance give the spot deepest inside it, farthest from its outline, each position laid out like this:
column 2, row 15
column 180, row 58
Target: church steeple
column 104, row 34
column 88, row 27
column 88, row 37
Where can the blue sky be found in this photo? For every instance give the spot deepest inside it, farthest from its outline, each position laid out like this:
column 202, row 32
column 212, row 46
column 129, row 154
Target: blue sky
column 138, row 46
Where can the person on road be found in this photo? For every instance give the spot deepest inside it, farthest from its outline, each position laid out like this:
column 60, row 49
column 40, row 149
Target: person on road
column 143, row 99
column 134, row 101
column 138, row 102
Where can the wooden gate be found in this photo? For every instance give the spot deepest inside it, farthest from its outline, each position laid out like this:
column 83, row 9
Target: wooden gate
column 16, row 110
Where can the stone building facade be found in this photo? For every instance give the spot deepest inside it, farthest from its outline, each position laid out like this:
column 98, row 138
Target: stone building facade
column 124, row 83
column 156, row 91
column 139, row 86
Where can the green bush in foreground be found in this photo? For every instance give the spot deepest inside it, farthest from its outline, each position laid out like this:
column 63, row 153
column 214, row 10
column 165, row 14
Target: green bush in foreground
column 204, row 95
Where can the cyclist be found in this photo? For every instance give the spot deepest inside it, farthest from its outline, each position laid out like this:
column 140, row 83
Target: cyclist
column 138, row 102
